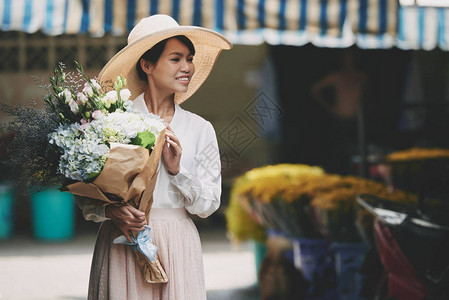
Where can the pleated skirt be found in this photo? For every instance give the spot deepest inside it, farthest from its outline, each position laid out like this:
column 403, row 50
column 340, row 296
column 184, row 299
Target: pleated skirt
column 115, row 273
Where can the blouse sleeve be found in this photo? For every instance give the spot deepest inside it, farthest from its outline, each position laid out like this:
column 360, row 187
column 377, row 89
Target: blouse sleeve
column 201, row 186
column 90, row 210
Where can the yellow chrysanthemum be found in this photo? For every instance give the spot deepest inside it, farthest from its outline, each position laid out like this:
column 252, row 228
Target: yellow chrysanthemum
column 240, row 225
column 418, row 154
column 283, row 180
column 341, row 193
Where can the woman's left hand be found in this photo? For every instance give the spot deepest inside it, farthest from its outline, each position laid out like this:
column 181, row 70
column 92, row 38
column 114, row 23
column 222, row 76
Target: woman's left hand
column 171, row 154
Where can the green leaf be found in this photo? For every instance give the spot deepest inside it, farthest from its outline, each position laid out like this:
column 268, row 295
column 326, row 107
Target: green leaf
column 145, row 139
column 93, row 175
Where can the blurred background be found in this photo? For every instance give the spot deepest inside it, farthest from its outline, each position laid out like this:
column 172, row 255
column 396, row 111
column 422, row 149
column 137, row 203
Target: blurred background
column 337, row 84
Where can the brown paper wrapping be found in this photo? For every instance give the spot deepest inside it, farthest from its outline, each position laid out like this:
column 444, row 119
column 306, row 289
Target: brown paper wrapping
column 129, row 177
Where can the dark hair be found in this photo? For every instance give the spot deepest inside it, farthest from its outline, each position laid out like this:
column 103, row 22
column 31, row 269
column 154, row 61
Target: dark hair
column 152, row 55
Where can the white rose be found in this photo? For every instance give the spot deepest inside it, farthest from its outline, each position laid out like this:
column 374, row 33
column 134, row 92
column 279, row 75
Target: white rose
column 96, row 85
column 112, row 96
column 82, row 99
column 73, row 106
column 66, row 94
column 84, row 124
column 97, row 114
column 125, row 94
column 88, row 90
column 107, row 102
column 128, row 105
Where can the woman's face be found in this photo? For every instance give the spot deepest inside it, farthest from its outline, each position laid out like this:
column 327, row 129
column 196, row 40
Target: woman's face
column 174, row 69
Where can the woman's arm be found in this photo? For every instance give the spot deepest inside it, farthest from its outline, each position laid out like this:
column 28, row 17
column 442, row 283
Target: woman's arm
column 202, row 189
column 91, row 211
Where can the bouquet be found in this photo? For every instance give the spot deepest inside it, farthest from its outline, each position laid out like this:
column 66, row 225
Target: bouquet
column 93, row 122
column 104, row 150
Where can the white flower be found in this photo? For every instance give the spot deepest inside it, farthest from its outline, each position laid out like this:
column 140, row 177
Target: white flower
column 106, row 102
column 73, row 106
column 97, row 115
column 88, row 90
column 96, row 85
column 129, row 106
column 82, row 98
column 111, row 97
column 125, row 94
column 66, row 94
column 84, row 125
column 121, row 127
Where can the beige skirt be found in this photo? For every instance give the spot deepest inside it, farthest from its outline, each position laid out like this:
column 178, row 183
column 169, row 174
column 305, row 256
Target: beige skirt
column 115, row 274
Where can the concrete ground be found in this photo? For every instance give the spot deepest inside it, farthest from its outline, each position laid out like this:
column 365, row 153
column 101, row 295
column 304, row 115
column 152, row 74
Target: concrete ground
column 31, row 269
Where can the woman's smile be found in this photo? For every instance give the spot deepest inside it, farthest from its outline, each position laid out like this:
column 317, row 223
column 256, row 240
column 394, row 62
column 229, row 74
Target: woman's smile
column 184, row 79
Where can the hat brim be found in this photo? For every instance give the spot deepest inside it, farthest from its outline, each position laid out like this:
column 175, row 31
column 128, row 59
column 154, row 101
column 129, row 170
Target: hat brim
column 208, row 45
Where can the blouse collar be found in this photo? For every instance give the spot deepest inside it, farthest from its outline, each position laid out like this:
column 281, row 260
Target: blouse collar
column 140, row 104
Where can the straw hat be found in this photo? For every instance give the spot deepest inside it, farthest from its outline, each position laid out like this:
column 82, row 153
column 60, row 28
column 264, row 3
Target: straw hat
column 147, row 33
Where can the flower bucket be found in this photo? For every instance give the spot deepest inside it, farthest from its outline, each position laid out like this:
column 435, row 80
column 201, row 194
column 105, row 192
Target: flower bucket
column 6, row 211
column 280, row 234
column 53, row 215
column 426, row 176
column 260, row 249
column 314, row 258
column 310, row 255
column 348, row 261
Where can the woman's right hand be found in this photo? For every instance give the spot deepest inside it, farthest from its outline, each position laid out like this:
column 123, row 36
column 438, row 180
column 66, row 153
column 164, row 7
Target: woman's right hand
column 126, row 218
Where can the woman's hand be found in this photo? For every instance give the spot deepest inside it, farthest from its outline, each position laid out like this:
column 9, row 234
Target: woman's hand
column 171, row 153
column 126, row 218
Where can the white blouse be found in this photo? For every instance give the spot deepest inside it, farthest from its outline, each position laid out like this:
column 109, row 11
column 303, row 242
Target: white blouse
column 197, row 186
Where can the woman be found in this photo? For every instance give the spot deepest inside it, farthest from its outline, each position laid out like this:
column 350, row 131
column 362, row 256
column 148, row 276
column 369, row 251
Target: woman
column 164, row 64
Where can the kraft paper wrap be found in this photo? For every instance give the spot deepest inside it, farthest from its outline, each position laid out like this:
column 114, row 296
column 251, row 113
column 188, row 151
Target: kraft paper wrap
column 129, row 177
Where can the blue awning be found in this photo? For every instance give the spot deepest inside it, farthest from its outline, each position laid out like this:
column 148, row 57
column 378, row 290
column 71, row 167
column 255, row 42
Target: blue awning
column 372, row 24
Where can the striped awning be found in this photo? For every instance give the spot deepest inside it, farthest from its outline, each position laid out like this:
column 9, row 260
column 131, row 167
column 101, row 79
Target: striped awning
column 373, row 24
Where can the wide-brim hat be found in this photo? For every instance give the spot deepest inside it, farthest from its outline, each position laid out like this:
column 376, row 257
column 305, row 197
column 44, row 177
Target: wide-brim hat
column 150, row 31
